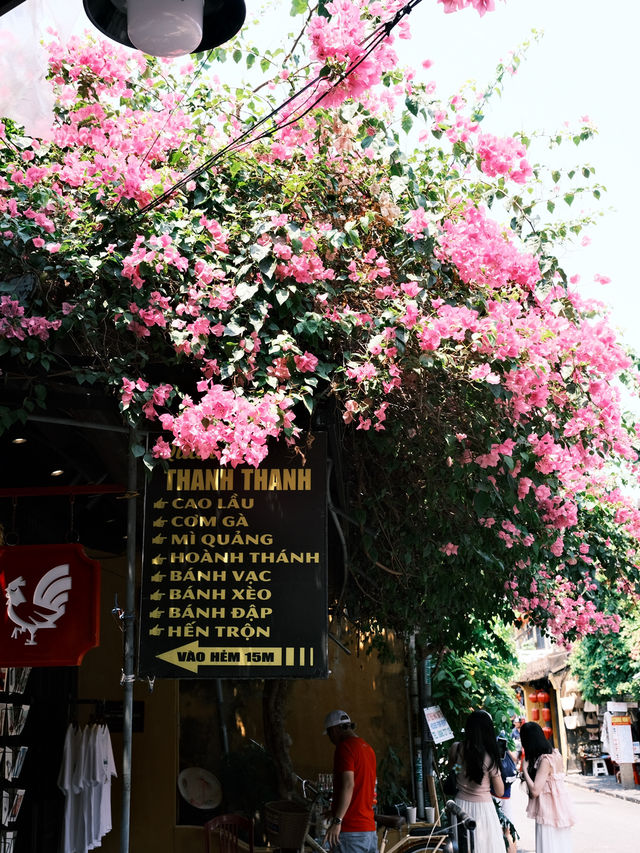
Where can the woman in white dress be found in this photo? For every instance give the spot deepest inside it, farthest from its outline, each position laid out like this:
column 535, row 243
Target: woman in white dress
column 549, row 803
column 477, row 761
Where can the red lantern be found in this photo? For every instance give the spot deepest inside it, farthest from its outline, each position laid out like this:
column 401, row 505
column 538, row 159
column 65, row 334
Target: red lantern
column 547, row 731
column 533, row 697
column 546, row 714
column 535, row 715
column 543, row 697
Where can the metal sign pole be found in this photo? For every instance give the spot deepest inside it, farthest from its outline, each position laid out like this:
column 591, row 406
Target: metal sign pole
column 427, row 749
column 128, row 675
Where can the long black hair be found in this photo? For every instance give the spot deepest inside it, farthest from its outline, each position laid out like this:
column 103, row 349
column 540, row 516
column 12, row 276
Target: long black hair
column 479, row 741
column 534, row 743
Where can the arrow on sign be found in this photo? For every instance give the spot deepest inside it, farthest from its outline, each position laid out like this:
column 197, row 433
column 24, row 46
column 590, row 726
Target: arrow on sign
column 188, row 657
column 193, row 655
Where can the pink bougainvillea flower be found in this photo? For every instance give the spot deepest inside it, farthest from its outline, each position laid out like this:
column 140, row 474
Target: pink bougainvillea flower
column 306, row 363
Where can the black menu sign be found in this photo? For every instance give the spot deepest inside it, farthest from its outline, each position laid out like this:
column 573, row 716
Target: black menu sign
column 234, row 578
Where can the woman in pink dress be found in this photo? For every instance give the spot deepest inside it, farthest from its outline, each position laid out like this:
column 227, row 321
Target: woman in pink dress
column 549, row 803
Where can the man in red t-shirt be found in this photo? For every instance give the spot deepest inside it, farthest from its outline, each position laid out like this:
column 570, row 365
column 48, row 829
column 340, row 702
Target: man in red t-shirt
column 353, row 824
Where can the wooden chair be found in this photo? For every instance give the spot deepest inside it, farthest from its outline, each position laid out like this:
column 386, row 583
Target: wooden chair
column 221, row 834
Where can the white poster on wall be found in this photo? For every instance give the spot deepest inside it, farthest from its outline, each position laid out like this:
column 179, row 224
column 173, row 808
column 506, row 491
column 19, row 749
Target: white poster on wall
column 438, row 726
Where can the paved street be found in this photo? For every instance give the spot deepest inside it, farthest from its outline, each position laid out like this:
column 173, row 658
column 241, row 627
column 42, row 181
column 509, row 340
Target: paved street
column 607, row 823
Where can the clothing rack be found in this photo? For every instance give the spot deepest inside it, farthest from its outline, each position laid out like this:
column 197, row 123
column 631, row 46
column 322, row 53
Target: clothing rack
column 98, row 716
column 110, row 712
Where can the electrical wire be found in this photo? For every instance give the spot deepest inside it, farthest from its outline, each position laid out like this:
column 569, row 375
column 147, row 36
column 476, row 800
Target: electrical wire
column 242, row 141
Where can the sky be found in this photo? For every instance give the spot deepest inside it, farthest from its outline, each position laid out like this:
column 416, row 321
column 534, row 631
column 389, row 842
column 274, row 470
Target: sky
column 584, row 65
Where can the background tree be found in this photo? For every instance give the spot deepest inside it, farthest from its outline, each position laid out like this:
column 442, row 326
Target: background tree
column 607, row 667
column 480, row 678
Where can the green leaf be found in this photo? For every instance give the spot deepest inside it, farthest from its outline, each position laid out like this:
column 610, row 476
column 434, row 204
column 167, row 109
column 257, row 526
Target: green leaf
column 569, row 197
column 412, row 106
column 19, row 287
column 353, row 237
column 268, row 267
column 407, row 122
column 245, row 291
column 258, row 252
column 233, row 329
column 482, row 503
column 199, row 196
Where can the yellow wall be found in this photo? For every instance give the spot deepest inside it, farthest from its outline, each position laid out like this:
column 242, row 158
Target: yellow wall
column 373, row 695
column 371, row 692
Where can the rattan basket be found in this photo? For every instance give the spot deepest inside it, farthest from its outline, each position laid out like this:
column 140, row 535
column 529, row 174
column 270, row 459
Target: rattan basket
column 286, row 823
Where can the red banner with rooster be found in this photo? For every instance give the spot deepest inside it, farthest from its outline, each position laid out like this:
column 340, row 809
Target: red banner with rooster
column 51, row 605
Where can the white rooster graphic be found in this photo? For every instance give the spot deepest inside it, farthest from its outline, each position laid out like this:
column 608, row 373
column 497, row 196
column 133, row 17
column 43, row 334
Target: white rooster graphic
column 48, row 605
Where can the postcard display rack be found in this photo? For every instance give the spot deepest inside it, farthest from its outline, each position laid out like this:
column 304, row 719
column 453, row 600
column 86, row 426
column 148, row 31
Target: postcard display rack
column 13, row 716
